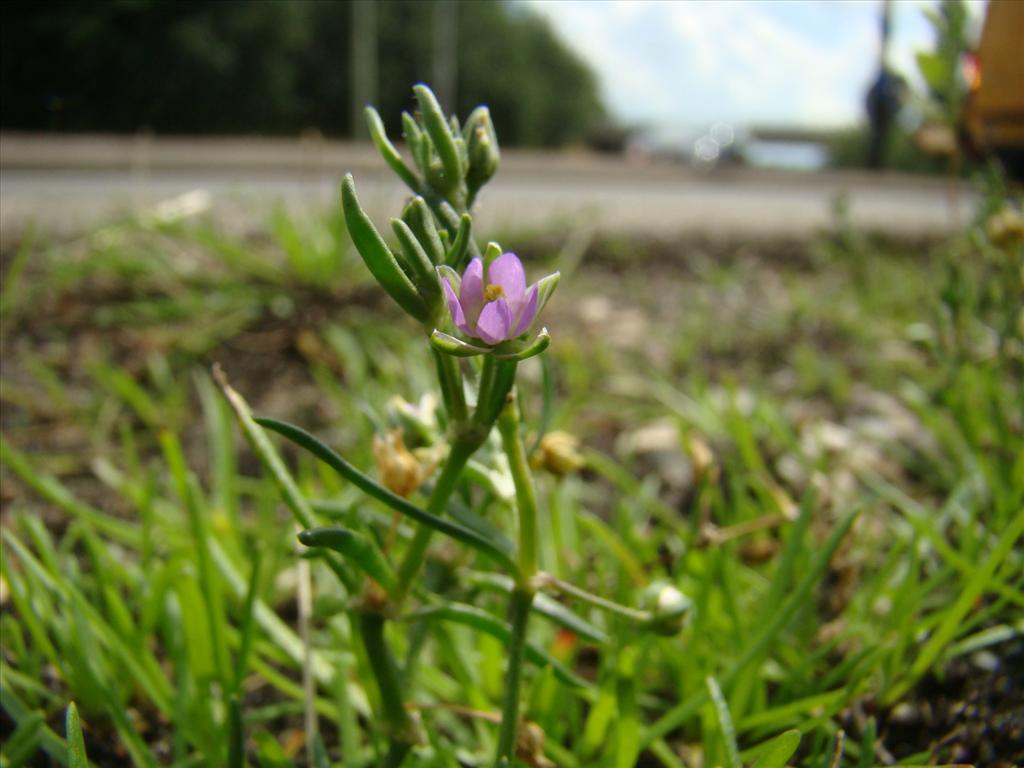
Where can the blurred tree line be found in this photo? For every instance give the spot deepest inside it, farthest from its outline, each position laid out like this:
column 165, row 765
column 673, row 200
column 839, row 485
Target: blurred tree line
column 280, row 67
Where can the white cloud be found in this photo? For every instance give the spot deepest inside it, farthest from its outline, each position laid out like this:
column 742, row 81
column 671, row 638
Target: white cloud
column 736, row 60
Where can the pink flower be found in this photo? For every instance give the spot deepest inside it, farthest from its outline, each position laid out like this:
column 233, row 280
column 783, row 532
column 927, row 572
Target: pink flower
column 497, row 311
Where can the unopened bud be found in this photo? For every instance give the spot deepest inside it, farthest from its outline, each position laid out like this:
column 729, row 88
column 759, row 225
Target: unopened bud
column 668, row 607
column 482, row 147
column 418, row 421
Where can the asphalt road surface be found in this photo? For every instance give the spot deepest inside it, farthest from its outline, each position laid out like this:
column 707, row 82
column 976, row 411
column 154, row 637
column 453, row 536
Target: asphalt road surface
column 63, row 185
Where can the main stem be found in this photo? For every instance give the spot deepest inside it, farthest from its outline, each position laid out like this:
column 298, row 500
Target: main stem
column 450, row 379
column 526, row 497
column 519, row 614
column 401, row 730
column 459, row 454
column 400, row 726
column 523, row 594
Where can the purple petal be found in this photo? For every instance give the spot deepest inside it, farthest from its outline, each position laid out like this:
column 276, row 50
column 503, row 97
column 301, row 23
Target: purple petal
column 507, row 271
column 494, row 322
column 458, row 316
column 529, row 311
column 471, row 294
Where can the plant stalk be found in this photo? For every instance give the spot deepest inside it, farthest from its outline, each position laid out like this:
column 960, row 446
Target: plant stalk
column 526, row 496
column 400, row 727
column 519, row 614
column 522, row 596
column 450, row 378
column 459, row 454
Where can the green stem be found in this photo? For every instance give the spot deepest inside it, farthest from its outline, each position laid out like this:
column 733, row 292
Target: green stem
column 496, row 380
column 450, row 378
column 519, row 610
column 523, row 594
column 400, row 727
column 526, row 497
column 460, row 452
column 551, row 583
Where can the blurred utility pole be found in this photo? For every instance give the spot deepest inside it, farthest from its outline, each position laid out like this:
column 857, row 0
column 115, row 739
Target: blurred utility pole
column 445, row 44
column 364, row 63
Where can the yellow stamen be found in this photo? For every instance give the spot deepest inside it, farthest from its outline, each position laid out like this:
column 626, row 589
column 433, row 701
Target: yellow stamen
column 493, row 292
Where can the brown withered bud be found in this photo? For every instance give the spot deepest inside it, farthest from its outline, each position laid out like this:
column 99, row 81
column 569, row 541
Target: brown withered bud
column 558, row 453
column 530, row 745
column 1006, row 227
column 399, row 470
column 705, row 468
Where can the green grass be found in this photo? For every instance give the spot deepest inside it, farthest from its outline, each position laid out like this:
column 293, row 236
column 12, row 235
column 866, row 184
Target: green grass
column 803, row 438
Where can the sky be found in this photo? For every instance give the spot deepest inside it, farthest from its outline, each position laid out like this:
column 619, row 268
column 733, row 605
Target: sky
column 790, row 62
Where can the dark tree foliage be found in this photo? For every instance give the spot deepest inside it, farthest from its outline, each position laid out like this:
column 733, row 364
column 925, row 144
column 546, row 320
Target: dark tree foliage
column 275, row 67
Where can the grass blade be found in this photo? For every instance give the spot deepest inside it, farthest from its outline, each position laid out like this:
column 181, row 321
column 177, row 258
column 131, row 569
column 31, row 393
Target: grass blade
column 778, row 751
column 954, row 616
column 485, row 622
column 76, row 742
column 724, row 722
column 762, row 643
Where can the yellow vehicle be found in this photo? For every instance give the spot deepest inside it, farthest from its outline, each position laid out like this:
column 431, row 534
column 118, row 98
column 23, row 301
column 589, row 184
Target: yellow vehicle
column 994, row 115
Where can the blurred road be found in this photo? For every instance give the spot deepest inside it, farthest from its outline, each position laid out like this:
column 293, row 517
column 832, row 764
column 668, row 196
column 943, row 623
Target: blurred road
column 64, row 184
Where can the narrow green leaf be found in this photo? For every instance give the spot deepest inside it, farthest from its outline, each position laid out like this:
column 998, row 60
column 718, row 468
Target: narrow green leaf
column 778, row 751
column 10, row 295
column 542, row 342
column 954, row 616
column 320, row 759
column 786, row 568
column 627, row 728
column 459, row 249
column 482, row 621
column 270, row 459
column 76, row 742
column 545, row 289
column 762, row 642
column 418, row 143
column 52, row 490
column 377, row 256
column 23, row 743
column 423, row 273
column 387, row 150
column 458, row 532
column 140, row 663
column 449, row 345
column 599, row 722
column 213, row 601
column 724, row 722
column 545, row 606
column 867, row 745
column 359, row 549
column 440, row 133
column 49, row 742
column 269, row 752
column 421, row 221
column 248, row 629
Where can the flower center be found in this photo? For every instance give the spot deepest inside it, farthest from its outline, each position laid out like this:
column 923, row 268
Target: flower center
column 493, row 292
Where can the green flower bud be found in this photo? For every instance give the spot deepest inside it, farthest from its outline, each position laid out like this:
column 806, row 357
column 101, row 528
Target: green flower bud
column 668, row 607
column 482, row 148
